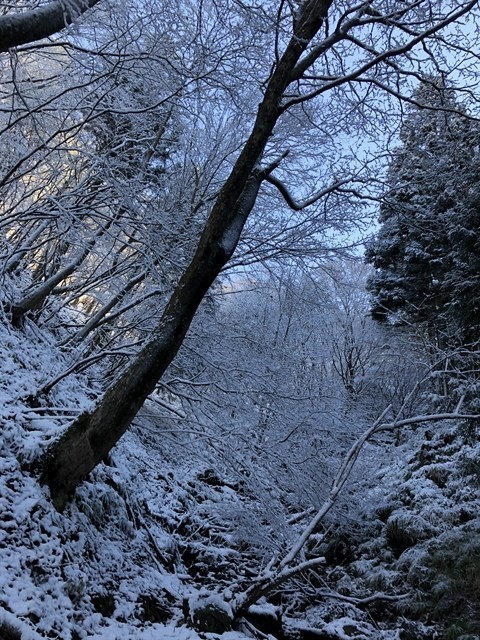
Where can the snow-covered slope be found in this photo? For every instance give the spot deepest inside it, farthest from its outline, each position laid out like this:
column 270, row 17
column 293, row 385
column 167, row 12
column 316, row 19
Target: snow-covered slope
column 164, row 527
column 108, row 566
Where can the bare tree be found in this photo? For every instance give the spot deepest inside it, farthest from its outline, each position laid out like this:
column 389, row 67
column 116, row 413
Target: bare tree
column 326, row 48
column 83, row 173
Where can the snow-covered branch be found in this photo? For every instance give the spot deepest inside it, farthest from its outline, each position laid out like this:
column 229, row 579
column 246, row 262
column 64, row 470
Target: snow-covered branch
column 272, row 577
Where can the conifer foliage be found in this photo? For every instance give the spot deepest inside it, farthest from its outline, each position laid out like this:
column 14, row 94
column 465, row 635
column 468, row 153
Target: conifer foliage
column 427, row 251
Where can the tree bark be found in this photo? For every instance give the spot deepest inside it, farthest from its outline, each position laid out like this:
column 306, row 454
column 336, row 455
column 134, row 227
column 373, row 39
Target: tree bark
column 89, row 439
column 35, row 298
column 29, row 26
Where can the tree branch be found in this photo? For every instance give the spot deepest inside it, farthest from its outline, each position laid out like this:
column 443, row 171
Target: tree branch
column 285, row 569
column 298, row 206
column 359, row 602
column 29, row 26
column 394, row 52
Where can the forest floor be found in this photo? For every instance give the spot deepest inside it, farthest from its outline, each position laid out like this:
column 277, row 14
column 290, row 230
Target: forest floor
column 161, row 530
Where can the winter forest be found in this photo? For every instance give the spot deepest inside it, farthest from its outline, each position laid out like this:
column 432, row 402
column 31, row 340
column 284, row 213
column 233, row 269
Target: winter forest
column 240, row 319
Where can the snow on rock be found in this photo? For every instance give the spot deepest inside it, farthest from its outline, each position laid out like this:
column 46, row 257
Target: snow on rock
column 210, row 613
column 346, row 629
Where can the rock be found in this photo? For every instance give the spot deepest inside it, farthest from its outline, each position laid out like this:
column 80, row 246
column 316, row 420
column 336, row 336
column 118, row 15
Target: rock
column 155, row 608
column 7, row 632
column 211, row 478
column 211, row 615
column 103, row 603
column 267, row 619
column 338, row 630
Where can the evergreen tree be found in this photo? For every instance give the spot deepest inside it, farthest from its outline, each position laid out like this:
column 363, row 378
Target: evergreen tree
column 463, row 280
column 426, row 254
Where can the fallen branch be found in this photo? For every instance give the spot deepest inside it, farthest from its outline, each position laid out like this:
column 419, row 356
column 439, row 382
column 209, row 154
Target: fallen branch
column 270, row 578
column 360, row 602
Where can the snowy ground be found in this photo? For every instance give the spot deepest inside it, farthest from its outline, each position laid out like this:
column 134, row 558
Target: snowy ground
column 154, row 531
column 53, row 566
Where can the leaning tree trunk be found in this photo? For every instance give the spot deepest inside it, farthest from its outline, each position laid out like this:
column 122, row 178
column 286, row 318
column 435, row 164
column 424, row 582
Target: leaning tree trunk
column 92, row 435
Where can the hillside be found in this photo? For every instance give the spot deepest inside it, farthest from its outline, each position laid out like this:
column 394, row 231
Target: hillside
column 166, row 523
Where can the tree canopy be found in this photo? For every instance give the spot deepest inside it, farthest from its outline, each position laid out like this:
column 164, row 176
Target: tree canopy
column 426, row 250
